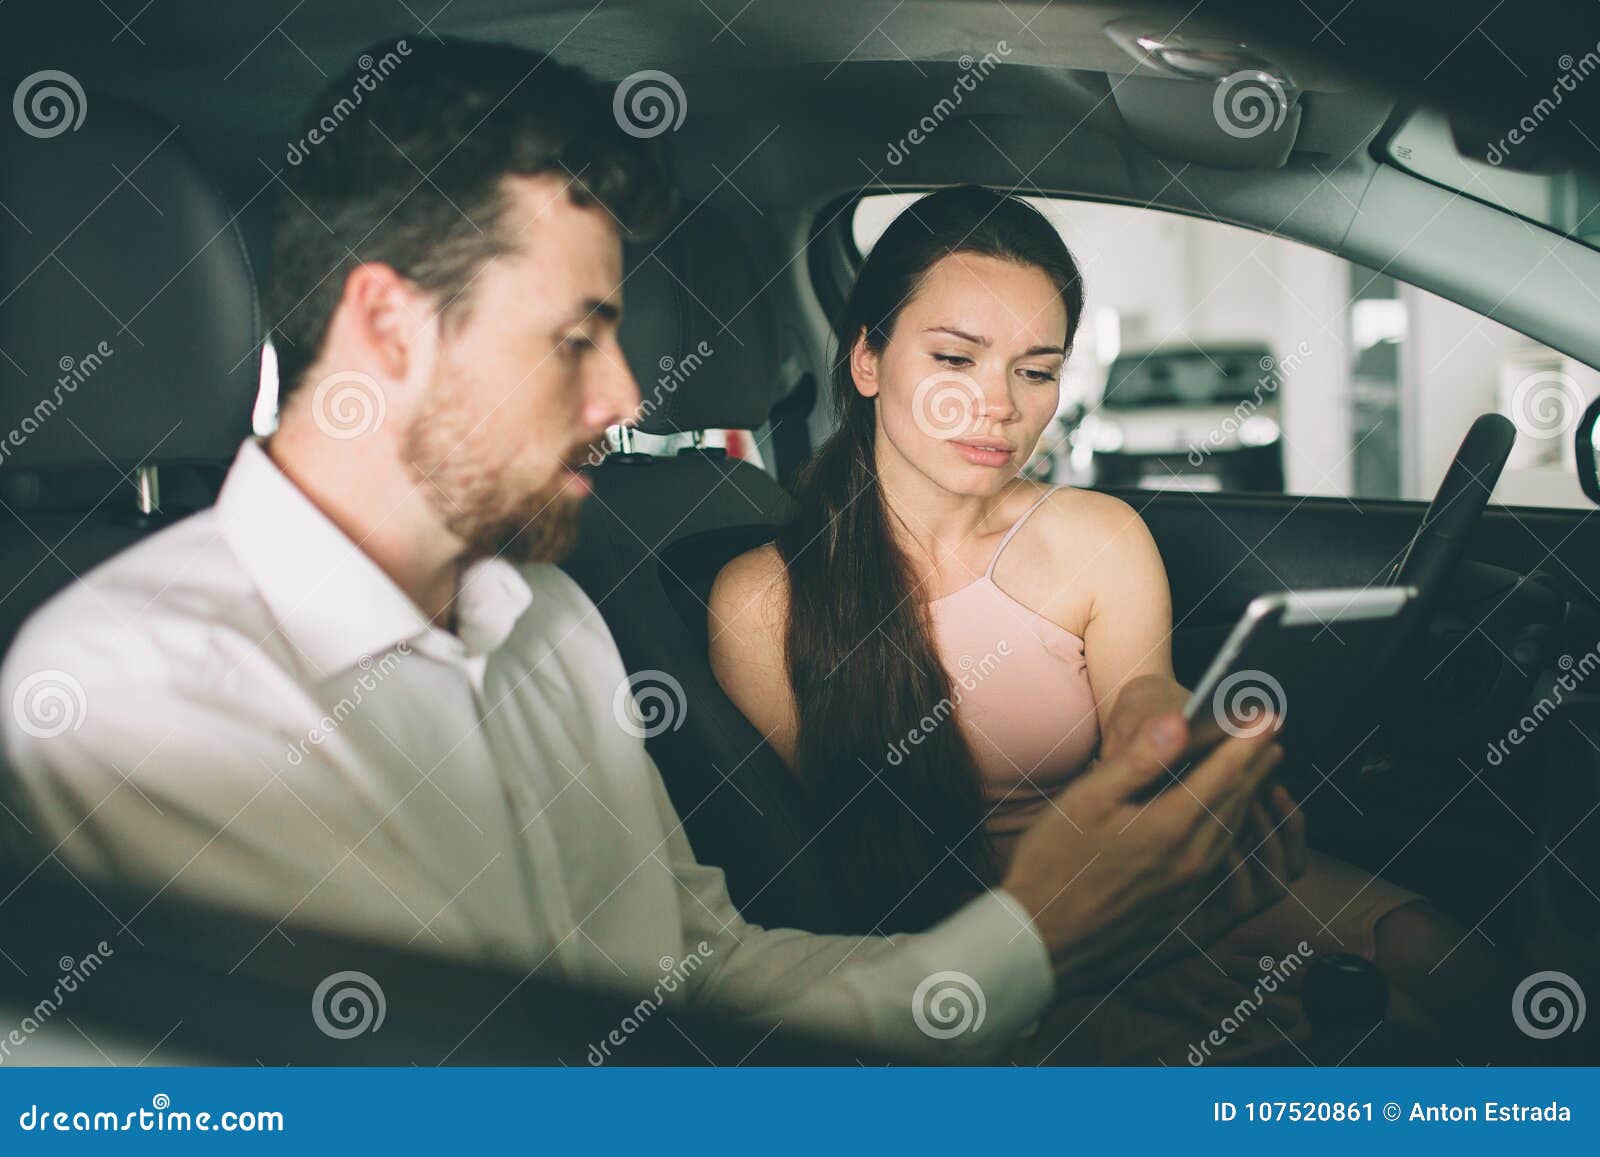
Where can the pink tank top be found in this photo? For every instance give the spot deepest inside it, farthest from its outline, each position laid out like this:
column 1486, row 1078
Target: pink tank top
column 1022, row 698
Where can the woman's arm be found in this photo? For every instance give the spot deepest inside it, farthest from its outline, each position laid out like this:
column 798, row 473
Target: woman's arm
column 1128, row 640
column 749, row 613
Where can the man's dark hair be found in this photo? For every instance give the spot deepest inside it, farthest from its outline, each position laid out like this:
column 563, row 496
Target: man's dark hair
column 401, row 159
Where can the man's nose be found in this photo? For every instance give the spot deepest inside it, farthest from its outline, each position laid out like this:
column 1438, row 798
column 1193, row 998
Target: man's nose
column 616, row 399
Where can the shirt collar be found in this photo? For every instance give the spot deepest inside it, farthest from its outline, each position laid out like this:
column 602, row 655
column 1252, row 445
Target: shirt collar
column 332, row 602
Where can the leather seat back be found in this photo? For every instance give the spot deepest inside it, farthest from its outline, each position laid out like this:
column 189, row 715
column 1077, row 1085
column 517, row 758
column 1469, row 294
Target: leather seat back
column 656, row 531
column 129, row 338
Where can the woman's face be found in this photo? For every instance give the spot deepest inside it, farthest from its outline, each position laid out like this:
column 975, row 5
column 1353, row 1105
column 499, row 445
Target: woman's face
column 971, row 374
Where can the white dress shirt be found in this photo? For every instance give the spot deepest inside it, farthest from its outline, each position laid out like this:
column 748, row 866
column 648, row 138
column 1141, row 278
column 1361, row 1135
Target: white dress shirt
column 245, row 709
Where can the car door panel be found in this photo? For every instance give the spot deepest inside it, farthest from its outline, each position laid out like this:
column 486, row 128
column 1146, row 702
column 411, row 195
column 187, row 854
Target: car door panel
column 1222, row 550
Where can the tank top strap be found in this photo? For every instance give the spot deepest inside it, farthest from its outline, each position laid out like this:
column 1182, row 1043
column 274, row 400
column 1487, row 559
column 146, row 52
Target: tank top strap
column 1016, row 526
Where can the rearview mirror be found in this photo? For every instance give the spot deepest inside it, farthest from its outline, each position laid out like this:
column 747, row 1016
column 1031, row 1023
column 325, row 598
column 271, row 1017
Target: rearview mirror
column 1588, row 454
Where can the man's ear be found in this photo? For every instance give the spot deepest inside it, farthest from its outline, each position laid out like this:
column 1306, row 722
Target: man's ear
column 864, row 366
column 385, row 318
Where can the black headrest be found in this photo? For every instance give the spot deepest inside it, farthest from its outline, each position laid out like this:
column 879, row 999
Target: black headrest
column 697, row 328
column 126, row 299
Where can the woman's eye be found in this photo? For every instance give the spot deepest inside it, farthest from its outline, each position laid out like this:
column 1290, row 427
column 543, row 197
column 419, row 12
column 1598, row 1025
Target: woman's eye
column 1040, row 376
column 953, row 359
column 576, row 344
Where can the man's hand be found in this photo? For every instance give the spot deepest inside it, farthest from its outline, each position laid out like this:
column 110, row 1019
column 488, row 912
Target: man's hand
column 1140, row 701
column 1107, row 878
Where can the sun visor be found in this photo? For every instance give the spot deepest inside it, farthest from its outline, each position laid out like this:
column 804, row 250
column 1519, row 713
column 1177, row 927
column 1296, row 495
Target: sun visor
column 1246, row 120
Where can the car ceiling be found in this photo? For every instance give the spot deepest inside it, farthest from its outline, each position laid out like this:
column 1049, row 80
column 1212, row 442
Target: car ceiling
column 792, row 105
column 237, row 77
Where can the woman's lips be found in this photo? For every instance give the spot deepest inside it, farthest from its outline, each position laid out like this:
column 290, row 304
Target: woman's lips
column 983, row 453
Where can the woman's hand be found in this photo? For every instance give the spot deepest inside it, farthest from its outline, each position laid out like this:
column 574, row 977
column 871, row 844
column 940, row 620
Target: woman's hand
column 1143, row 698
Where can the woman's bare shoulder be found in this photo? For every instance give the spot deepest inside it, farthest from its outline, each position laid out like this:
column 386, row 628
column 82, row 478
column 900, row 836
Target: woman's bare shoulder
column 1075, row 528
column 757, row 574
column 1072, row 512
column 750, row 598
column 748, row 621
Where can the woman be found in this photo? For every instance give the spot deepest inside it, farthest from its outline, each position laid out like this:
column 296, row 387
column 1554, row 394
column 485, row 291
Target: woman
column 936, row 645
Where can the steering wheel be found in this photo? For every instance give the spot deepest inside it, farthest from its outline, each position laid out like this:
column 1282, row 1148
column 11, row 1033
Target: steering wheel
column 1434, row 554
column 1441, row 539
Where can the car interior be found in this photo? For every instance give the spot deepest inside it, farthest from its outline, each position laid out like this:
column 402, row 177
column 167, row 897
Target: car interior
column 131, row 253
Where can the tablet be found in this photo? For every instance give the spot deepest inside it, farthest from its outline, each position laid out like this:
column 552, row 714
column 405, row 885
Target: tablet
column 1301, row 663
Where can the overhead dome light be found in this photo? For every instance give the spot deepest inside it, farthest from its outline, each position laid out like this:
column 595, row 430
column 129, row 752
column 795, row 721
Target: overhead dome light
column 1185, row 56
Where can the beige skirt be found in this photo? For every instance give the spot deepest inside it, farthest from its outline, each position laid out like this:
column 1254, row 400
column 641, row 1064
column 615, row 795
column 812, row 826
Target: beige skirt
column 1234, row 998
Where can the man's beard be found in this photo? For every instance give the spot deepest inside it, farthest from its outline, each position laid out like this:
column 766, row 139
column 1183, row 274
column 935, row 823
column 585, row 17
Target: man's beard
column 449, row 454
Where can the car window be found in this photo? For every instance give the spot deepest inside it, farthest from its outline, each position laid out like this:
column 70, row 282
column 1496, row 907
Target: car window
column 1212, row 357
column 1184, row 377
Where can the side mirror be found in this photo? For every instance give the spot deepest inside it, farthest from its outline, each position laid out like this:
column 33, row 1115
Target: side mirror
column 1588, row 454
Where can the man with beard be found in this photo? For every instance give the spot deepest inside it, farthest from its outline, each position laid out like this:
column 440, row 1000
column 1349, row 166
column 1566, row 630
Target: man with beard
column 357, row 693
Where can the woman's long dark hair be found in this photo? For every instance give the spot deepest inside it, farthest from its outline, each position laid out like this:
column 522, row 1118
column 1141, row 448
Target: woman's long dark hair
column 860, row 652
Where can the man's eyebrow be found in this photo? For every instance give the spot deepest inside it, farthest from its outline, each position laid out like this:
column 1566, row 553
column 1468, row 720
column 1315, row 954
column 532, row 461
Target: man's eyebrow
column 598, row 309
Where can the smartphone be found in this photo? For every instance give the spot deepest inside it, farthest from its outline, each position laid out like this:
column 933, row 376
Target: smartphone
column 1300, row 663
